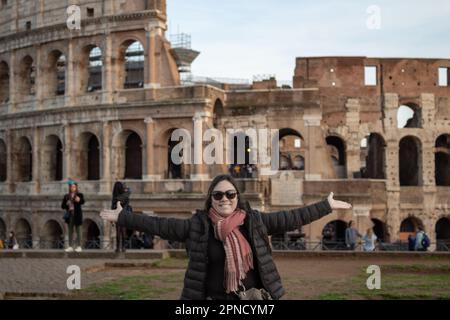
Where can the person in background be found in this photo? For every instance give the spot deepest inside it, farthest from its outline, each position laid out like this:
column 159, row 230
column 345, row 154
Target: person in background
column 72, row 203
column 369, row 240
column 411, row 243
column 121, row 193
column 136, row 240
column 351, row 236
column 11, row 243
column 237, row 171
column 420, row 236
column 148, row 240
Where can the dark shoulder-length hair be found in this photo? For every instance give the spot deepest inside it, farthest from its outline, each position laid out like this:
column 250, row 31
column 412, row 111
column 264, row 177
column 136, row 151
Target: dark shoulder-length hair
column 118, row 189
column 242, row 203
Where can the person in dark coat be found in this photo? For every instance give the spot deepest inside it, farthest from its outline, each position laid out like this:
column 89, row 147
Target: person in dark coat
column 227, row 243
column 121, row 193
column 12, row 241
column 72, row 203
column 411, row 243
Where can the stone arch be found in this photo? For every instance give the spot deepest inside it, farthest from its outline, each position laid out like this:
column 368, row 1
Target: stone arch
column 26, row 77
column 373, row 157
column 88, row 157
column 128, row 153
column 165, row 164
column 291, row 144
column 24, row 234
column 410, row 161
column 380, row 229
column 3, row 161
column 409, row 115
column 55, row 74
column 337, row 150
column 91, row 234
column 409, row 226
column 242, row 152
column 132, row 62
column 90, row 69
column 442, row 160
column 176, row 170
column 4, row 82
column 218, row 112
column 23, row 161
column 2, row 229
column 52, row 159
column 52, row 235
column 442, row 229
column 95, row 70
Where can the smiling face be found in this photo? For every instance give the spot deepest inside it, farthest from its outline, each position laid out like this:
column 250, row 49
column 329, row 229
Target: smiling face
column 224, row 206
column 73, row 188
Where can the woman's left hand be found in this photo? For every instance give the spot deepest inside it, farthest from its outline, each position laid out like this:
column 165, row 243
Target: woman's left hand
column 336, row 204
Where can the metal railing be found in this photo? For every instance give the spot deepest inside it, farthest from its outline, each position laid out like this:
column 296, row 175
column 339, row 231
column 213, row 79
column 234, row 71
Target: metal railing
column 324, row 245
column 443, row 245
column 282, row 245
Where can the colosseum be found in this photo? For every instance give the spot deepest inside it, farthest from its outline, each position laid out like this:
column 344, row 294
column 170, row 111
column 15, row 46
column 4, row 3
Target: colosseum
column 99, row 104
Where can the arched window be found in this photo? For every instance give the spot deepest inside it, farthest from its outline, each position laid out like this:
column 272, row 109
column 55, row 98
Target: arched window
column 409, row 227
column 217, row 112
column 88, row 152
column 95, row 70
column 127, row 155
column 24, row 234
column 337, row 149
column 55, row 74
column 291, row 150
column 373, row 157
column 380, row 230
column 93, row 156
column 133, row 157
column 443, row 234
column 134, row 65
column 24, row 161
column 442, row 160
column 52, row 236
column 242, row 161
column 2, row 229
column 52, row 159
column 409, row 116
column 4, row 82
column 26, row 77
column 91, row 235
column 3, row 161
column 410, row 162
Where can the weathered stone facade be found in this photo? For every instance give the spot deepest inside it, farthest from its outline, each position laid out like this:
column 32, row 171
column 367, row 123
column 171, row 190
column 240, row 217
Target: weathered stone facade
column 84, row 105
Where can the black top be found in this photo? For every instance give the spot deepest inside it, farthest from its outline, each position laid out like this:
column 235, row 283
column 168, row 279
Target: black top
column 216, row 269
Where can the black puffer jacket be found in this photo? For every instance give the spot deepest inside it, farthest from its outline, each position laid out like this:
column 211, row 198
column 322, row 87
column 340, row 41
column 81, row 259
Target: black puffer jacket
column 195, row 232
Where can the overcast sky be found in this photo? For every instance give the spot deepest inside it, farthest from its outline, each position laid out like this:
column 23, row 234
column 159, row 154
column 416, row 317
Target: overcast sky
column 240, row 39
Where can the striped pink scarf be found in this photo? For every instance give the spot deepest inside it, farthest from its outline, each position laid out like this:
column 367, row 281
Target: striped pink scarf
column 238, row 253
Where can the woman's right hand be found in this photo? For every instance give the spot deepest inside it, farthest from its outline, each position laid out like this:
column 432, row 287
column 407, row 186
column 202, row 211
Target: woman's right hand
column 111, row 215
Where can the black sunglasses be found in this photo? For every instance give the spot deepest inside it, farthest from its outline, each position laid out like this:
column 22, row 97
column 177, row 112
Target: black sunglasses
column 218, row 195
